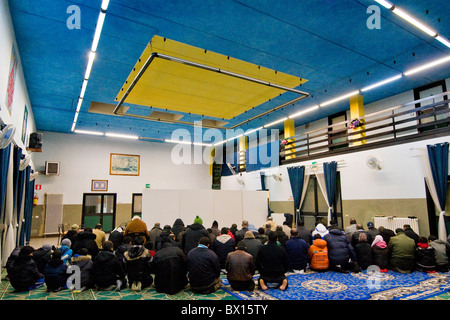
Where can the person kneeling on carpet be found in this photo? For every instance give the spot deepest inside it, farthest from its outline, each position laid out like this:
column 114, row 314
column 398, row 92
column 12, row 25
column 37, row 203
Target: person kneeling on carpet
column 55, row 273
column 240, row 268
column 203, row 268
column 23, row 273
column 137, row 265
column 272, row 262
column 108, row 271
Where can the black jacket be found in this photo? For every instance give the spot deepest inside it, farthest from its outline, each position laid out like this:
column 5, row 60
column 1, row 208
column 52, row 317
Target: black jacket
column 272, row 260
column 86, row 240
column 222, row 246
column 41, row 257
column 203, row 267
column 56, row 275
column 425, row 258
column 107, row 269
column 137, row 263
column 410, row 233
column 116, row 237
column 177, row 227
column 86, row 266
column 380, row 257
column 23, row 273
column 363, row 252
column 192, row 235
column 170, row 268
column 340, row 249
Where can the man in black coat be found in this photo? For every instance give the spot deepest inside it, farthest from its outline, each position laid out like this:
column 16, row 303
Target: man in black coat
column 170, row 268
column 410, row 233
column 193, row 234
column 272, row 262
column 23, row 273
column 108, row 271
column 340, row 250
column 203, row 268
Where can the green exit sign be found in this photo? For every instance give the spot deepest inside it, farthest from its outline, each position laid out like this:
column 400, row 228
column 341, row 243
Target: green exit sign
column 147, row 186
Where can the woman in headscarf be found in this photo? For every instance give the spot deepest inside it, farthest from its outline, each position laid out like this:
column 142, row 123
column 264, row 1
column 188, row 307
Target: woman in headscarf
column 380, row 253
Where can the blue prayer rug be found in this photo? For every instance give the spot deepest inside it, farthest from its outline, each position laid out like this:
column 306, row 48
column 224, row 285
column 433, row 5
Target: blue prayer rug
column 364, row 285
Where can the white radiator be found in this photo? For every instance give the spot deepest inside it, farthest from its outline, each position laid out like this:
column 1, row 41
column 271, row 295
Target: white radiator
column 397, row 222
column 53, row 212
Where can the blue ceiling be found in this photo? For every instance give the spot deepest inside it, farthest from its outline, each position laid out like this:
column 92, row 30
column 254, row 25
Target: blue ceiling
column 324, row 41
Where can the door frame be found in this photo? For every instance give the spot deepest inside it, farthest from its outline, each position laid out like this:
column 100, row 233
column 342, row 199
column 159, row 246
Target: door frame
column 83, row 212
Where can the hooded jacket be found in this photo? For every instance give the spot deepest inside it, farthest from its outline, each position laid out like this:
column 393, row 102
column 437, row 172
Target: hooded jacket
column 177, row 227
column 86, row 266
column 320, row 229
column 222, row 246
column 318, row 255
column 297, row 251
column 424, row 256
column 340, row 251
column 363, row 252
column 137, row 263
column 272, row 260
column 86, row 240
column 203, row 267
column 192, row 235
column 23, row 273
column 136, row 227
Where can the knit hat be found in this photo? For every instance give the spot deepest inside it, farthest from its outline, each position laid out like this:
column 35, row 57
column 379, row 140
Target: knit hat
column 47, row 247
column 66, row 242
column 198, row 220
column 369, row 225
column 249, row 235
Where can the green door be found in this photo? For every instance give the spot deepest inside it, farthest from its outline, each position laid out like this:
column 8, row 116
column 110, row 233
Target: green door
column 99, row 208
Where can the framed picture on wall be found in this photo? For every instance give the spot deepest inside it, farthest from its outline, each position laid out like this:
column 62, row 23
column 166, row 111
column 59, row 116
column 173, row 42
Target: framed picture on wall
column 124, row 164
column 99, row 185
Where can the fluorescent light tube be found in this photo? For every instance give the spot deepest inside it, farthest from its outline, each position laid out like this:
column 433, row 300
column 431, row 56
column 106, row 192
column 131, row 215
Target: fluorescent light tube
column 105, row 4
column 275, row 122
column 414, row 22
column 178, row 141
column 89, row 65
column 98, row 31
column 295, row 115
column 348, row 95
column 443, row 40
column 220, row 142
column 427, row 66
column 96, row 133
column 73, row 126
column 253, row 130
column 201, row 144
column 125, row 136
column 385, row 4
column 83, row 88
column 383, row 82
column 80, row 101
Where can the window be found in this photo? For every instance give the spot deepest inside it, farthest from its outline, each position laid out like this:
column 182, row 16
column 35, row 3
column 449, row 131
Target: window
column 99, row 208
column 314, row 209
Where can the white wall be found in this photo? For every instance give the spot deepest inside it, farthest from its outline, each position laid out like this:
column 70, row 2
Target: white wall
column 84, row 158
column 7, row 39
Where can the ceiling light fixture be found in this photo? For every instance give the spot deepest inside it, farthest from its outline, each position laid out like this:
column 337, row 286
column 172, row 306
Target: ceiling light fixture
column 178, row 141
column 96, row 133
column 385, row 4
column 383, row 82
column 443, row 40
column 275, row 122
column 117, row 135
column 427, row 66
column 414, row 21
column 345, row 96
column 253, row 130
column 92, row 54
column 295, row 115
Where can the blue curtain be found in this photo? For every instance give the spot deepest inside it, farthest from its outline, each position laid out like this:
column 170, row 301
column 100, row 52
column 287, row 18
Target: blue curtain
column 296, row 178
column 330, row 171
column 4, row 166
column 25, row 232
column 17, row 157
column 438, row 158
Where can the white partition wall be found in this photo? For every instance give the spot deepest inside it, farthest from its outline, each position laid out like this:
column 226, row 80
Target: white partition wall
column 224, row 206
column 228, row 207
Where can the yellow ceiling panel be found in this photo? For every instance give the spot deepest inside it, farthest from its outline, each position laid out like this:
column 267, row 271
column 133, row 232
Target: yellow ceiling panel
column 181, row 87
